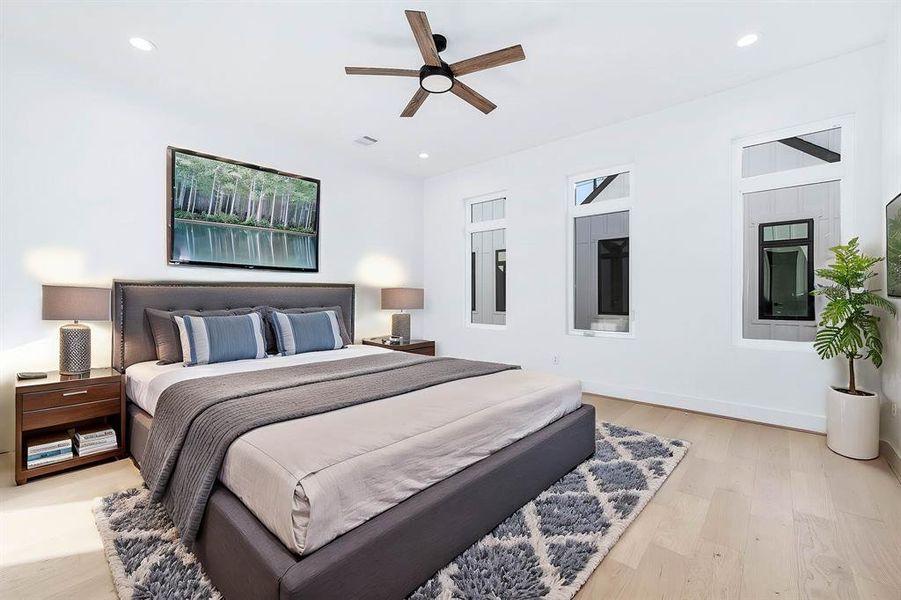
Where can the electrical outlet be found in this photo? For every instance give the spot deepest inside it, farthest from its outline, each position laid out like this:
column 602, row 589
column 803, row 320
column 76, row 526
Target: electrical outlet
column 556, row 360
column 894, row 409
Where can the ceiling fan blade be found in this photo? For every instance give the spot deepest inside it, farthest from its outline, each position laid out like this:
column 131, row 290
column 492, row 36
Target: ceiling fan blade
column 415, row 102
column 489, row 61
column 461, row 90
column 419, row 23
column 381, row 71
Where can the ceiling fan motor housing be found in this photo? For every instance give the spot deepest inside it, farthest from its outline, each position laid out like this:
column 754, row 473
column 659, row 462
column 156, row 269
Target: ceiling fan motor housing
column 436, row 80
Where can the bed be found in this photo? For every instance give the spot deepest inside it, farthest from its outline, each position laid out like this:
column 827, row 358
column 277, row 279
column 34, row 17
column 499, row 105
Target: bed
column 365, row 501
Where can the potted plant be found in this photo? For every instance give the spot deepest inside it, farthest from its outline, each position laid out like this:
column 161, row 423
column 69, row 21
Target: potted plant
column 848, row 328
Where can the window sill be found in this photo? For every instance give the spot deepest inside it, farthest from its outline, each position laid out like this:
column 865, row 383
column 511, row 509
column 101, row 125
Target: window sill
column 489, row 326
column 591, row 333
column 779, row 345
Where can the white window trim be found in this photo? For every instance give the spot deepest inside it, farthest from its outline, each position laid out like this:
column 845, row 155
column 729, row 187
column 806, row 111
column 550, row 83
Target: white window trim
column 476, row 228
column 597, row 208
column 841, row 172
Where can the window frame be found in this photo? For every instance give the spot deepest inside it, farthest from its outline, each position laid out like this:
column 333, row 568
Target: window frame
column 479, row 227
column 762, row 247
column 497, row 263
column 842, row 171
column 574, row 211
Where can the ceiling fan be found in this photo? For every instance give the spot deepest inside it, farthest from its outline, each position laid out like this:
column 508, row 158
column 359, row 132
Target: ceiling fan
column 436, row 76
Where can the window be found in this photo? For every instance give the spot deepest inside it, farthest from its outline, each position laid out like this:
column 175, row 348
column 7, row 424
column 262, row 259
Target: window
column 472, row 281
column 500, row 281
column 600, row 269
column 785, row 269
column 489, row 210
column 598, row 189
column 793, row 152
column 613, row 276
column 486, row 227
column 789, row 187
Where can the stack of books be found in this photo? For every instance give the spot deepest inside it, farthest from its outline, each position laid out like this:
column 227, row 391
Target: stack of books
column 47, row 450
column 94, row 440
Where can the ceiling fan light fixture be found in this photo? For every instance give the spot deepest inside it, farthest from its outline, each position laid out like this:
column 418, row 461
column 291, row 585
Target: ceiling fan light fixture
column 436, row 76
column 436, row 80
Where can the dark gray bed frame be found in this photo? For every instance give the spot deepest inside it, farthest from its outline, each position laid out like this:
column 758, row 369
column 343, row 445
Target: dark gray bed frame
column 390, row 555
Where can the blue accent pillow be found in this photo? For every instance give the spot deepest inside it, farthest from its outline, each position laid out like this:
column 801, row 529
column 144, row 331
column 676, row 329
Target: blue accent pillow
column 206, row 340
column 306, row 332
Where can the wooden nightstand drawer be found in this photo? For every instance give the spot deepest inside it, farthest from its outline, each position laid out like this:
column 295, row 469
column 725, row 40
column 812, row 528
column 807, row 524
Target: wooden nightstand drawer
column 430, row 351
column 69, row 414
column 69, row 396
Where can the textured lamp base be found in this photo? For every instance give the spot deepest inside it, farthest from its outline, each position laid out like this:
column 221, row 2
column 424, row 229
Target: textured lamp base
column 400, row 325
column 74, row 349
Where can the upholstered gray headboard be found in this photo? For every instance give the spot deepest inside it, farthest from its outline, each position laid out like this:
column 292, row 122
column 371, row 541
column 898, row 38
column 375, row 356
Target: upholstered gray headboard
column 133, row 341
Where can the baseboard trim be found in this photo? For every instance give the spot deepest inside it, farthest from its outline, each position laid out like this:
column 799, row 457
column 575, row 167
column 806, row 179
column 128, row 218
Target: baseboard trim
column 892, row 457
column 742, row 412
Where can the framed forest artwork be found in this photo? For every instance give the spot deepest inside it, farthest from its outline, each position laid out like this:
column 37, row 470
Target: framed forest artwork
column 893, row 247
column 232, row 214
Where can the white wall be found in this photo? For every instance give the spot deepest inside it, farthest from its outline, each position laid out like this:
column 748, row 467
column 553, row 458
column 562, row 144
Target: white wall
column 83, row 201
column 891, row 144
column 681, row 252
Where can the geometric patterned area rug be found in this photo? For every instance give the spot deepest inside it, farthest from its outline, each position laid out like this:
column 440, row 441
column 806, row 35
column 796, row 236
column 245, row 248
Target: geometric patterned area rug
column 145, row 555
column 546, row 549
column 550, row 546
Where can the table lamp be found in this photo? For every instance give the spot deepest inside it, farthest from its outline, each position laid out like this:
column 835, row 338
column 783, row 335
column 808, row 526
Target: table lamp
column 71, row 303
column 401, row 299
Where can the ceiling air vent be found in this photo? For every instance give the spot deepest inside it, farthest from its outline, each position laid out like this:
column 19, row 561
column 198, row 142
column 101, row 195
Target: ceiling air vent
column 366, row 140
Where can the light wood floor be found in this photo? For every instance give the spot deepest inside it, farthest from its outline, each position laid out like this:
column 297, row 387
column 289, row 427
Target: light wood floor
column 751, row 512
column 754, row 512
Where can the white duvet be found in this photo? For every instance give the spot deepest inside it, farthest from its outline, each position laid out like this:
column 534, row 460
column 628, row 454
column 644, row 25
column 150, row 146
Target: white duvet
column 310, row 480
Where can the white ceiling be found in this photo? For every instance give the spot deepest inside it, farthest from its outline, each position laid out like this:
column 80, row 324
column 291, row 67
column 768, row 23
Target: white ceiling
column 280, row 64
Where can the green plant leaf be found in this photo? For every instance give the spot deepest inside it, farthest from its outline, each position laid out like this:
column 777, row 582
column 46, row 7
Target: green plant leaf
column 827, row 342
column 871, row 299
column 836, row 312
column 873, row 341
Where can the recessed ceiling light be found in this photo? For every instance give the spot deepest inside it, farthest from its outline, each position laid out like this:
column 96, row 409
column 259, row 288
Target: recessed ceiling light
column 423, row 155
column 142, row 44
column 746, row 40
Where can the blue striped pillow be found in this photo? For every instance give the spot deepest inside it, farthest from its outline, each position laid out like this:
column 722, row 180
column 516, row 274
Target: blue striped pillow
column 306, row 332
column 206, row 340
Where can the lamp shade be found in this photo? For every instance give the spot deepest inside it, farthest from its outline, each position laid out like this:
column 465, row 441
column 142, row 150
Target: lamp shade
column 72, row 303
column 402, row 298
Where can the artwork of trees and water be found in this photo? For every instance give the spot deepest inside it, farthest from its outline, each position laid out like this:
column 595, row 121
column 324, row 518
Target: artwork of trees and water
column 236, row 214
column 893, row 246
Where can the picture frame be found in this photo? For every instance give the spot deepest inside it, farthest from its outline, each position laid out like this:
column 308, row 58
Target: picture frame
column 893, row 247
column 226, row 213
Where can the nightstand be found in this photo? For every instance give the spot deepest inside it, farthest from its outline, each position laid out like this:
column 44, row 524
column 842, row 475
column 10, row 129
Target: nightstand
column 63, row 402
column 426, row 347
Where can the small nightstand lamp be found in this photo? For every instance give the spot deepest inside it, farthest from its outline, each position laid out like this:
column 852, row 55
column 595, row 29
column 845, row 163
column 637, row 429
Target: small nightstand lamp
column 401, row 299
column 64, row 303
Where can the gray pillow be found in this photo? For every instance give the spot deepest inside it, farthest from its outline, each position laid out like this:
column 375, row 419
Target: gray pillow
column 165, row 331
column 269, row 331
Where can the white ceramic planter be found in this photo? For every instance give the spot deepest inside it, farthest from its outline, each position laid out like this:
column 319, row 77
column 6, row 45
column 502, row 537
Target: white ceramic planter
column 852, row 424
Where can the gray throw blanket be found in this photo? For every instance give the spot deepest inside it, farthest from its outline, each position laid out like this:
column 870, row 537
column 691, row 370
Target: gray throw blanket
column 197, row 420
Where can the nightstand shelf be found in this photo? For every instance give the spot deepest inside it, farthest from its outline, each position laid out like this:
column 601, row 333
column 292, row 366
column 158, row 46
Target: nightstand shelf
column 425, row 347
column 60, row 404
column 71, row 463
